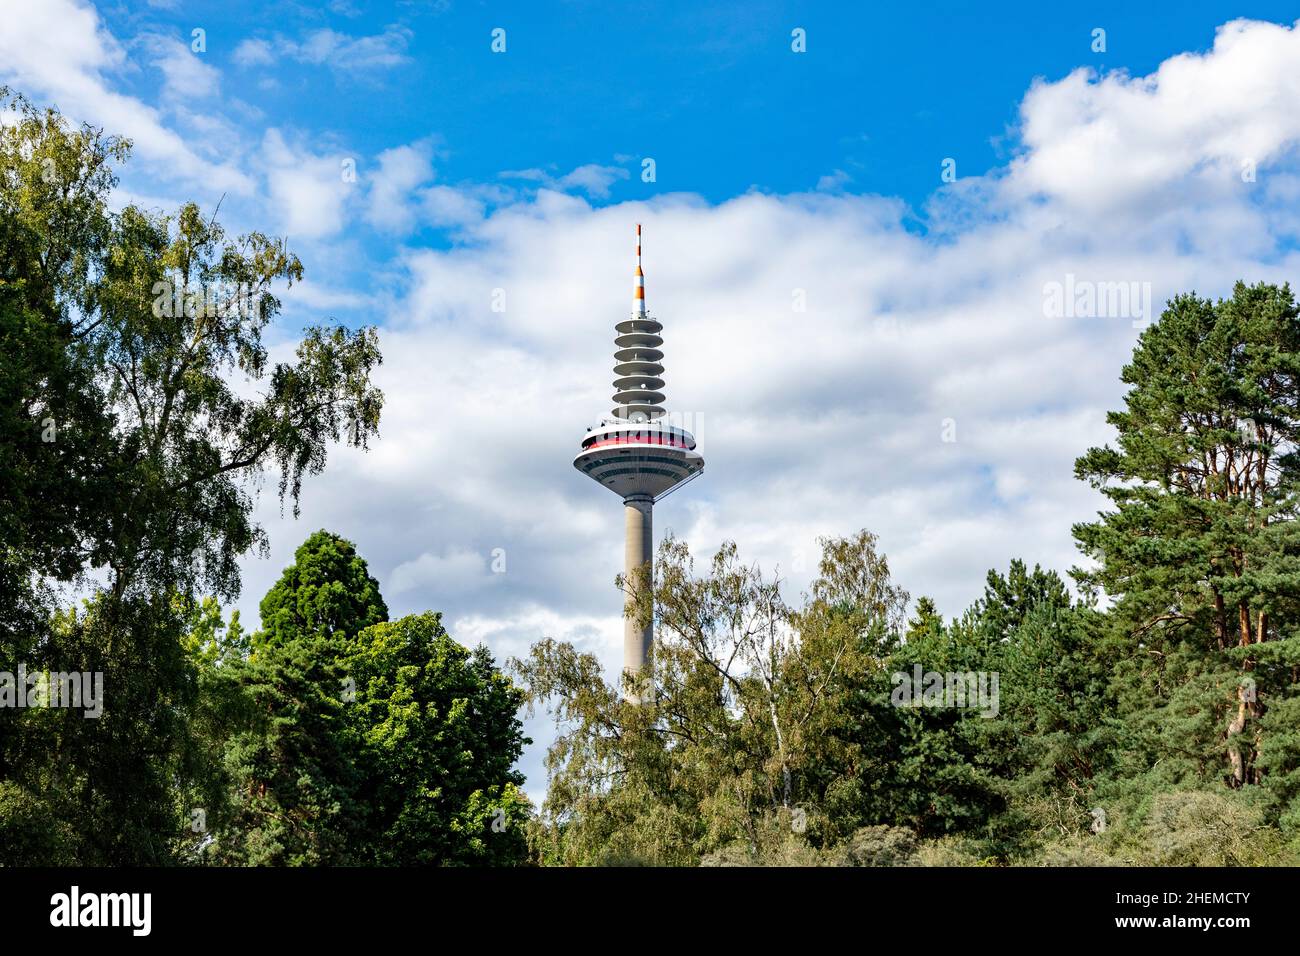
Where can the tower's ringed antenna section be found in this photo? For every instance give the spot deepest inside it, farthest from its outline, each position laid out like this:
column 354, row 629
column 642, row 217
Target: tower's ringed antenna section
column 638, row 362
column 634, row 453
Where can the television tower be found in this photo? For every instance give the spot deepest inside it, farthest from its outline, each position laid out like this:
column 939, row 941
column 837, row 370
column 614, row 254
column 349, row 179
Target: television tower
column 635, row 454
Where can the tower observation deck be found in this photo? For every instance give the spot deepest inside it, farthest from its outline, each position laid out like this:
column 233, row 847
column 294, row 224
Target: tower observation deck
column 634, row 453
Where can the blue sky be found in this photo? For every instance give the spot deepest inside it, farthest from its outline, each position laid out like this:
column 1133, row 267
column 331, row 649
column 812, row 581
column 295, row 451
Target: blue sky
column 855, row 342
column 715, row 96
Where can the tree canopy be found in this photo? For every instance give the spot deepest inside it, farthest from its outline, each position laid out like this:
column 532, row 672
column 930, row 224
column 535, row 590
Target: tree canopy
column 352, row 740
column 127, row 453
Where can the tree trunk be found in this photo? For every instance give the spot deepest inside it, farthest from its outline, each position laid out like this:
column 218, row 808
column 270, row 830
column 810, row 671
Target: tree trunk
column 780, row 746
column 1235, row 757
column 1220, row 620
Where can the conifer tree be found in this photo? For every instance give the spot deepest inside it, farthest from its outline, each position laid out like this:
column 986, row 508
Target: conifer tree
column 1201, row 551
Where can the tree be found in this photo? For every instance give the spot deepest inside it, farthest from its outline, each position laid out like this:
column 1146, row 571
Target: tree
column 292, row 761
column 938, row 770
column 772, row 735
column 1056, row 714
column 54, row 417
column 352, row 740
column 125, row 455
column 292, row 755
column 53, row 423
column 327, row 591
column 439, row 733
column 1201, row 550
column 742, row 739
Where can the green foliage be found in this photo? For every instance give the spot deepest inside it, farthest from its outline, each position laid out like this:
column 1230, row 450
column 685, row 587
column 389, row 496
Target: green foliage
column 1279, row 760
column 355, row 741
column 748, row 730
column 1201, row 552
column 440, row 733
column 119, row 787
column 327, row 591
column 295, row 782
column 30, row 830
column 126, row 449
column 881, row 846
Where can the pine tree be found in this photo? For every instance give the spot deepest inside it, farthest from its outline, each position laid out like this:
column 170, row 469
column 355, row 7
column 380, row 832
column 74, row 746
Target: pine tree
column 1201, row 550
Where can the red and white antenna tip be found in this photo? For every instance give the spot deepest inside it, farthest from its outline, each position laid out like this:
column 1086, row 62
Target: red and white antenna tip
column 639, row 294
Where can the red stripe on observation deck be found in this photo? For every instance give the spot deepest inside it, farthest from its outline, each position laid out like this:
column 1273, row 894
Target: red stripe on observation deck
column 638, row 441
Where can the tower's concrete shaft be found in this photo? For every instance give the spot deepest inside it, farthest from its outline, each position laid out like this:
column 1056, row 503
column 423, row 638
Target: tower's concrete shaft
column 638, row 554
